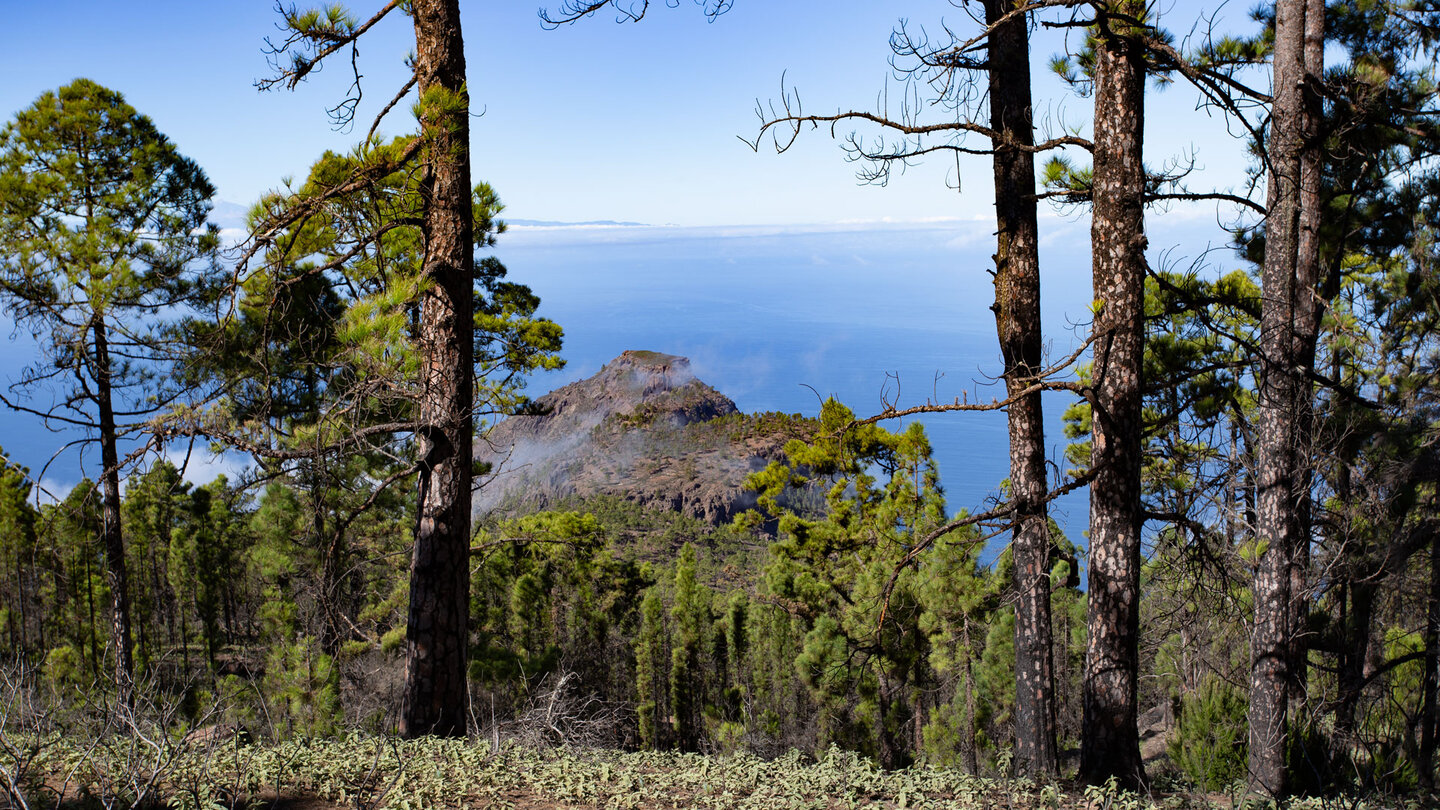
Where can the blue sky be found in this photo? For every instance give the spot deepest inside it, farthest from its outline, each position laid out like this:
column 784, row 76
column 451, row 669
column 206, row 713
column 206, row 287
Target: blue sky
column 595, row 121
column 637, row 122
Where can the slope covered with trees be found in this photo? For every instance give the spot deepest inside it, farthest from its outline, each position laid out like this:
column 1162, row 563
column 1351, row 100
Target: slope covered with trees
column 1257, row 433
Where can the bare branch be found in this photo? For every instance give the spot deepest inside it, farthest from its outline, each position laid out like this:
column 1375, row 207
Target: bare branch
column 628, row 11
column 326, row 41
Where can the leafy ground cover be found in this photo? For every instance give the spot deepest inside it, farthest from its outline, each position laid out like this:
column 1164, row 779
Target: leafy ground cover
column 368, row 773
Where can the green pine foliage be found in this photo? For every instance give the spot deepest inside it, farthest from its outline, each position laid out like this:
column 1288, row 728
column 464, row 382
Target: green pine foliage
column 301, row 688
column 887, row 601
column 74, row 644
column 1209, row 742
column 849, row 616
column 693, row 621
column 19, row 621
column 649, row 664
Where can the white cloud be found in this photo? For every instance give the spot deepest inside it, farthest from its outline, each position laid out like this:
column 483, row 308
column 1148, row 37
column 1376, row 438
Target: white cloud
column 52, row 491
column 203, row 466
column 557, row 234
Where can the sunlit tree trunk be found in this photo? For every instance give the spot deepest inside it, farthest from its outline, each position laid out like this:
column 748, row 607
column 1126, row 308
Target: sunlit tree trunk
column 1307, row 331
column 1110, row 739
column 1280, row 415
column 435, row 700
column 1017, row 320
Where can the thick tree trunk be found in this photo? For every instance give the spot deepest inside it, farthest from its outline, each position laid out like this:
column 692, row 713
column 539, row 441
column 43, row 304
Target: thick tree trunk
column 110, row 533
column 1110, row 739
column 1307, row 332
column 1280, row 416
column 1017, row 320
column 437, row 632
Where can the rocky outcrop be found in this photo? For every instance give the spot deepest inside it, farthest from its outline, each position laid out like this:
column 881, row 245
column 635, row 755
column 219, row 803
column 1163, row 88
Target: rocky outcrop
column 643, row 428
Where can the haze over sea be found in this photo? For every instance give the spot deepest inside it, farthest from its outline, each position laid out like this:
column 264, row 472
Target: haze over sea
column 778, row 318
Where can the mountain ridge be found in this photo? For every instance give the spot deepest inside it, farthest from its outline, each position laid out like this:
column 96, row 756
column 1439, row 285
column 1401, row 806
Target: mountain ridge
column 643, row 428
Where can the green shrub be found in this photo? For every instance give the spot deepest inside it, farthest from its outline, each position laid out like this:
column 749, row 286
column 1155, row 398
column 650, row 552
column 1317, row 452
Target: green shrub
column 65, row 667
column 1209, row 741
column 302, row 687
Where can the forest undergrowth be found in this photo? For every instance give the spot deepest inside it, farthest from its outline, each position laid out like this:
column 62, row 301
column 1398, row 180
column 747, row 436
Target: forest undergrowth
column 368, row 772
column 111, row 754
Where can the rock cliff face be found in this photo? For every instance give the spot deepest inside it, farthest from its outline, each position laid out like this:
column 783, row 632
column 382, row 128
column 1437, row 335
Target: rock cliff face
column 644, row 429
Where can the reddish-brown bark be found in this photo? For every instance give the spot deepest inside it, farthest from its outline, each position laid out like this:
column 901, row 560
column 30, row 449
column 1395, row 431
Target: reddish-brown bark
column 435, row 697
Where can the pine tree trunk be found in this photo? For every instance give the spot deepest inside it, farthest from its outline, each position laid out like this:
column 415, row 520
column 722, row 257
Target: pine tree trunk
column 332, row 538
column 1017, row 320
column 1430, row 711
column 1279, row 415
column 1110, row 739
column 1307, row 332
column 110, row 533
column 437, row 631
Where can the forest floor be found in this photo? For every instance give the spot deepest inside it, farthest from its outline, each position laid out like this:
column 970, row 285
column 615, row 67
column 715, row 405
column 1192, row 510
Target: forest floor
column 369, row 773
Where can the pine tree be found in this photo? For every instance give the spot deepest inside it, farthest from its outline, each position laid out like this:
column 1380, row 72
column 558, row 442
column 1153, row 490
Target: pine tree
column 438, row 636
column 78, row 591
column 856, row 576
column 1110, row 743
column 1281, row 397
column 154, row 505
column 1017, row 320
column 691, row 625
column 651, row 672
column 19, row 617
column 103, row 227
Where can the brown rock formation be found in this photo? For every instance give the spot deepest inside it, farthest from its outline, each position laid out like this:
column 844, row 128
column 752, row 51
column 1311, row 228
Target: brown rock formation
column 643, row 428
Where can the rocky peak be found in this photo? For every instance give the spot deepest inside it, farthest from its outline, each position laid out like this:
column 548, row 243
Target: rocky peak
column 649, row 383
column 643, row 428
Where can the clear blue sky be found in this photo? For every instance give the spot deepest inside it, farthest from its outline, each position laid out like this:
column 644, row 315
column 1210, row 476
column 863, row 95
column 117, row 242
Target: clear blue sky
column 595, row 121
column 631, row 122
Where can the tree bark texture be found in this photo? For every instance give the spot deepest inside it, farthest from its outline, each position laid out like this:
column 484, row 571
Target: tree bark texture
column 437, row 631
column 1017, row 321
column 1307, row 333
column 1110, row 739
column 1280, row 416
column 110, row 531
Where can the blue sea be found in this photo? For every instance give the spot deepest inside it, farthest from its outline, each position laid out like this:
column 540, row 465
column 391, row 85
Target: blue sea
column 777, row 318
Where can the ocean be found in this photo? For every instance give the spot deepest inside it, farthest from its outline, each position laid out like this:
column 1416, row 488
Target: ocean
column 776, row 318
column 779, row 318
